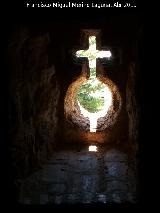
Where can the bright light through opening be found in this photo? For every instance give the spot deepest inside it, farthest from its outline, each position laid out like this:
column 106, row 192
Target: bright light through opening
column 92, row 148
column 93, row 117
column 92, row 53
column 94, row 104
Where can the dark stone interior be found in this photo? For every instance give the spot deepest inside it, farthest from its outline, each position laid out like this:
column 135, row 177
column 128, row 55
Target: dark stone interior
column 50, row 161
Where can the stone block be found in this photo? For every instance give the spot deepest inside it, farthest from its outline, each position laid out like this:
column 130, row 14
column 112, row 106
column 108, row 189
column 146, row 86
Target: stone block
column 87, row 197
column 101, row 198
column 116, row 169
column 115, row 155
column 117, row 185
column 58, row 199
column 72, row 198
column 26, row 200
column 89, row 183
column 44, row 198
column 56, row 188
column 131, row 197
column 116, row 198
column 83, row 164
column 54, row 173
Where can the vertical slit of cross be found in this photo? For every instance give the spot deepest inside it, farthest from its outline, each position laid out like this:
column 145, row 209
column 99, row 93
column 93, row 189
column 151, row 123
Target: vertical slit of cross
column 92, row 54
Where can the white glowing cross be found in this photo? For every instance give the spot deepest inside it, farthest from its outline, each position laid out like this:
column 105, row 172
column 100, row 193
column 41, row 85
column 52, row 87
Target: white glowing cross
column 92, row 54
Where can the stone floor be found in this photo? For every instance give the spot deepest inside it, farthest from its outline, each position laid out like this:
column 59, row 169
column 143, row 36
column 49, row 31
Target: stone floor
column 81, row 177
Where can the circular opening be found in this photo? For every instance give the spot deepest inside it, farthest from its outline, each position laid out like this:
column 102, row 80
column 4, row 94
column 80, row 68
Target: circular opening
column 94, row 99
column 80, row 110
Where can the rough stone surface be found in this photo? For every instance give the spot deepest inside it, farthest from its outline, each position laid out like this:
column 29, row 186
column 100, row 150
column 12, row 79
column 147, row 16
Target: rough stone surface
column 34, row 97
column 132, row 106
column 77, row 177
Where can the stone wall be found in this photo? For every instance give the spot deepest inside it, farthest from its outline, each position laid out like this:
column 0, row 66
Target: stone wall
column 34, row 96
column 83, row 177
column 132, row 106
